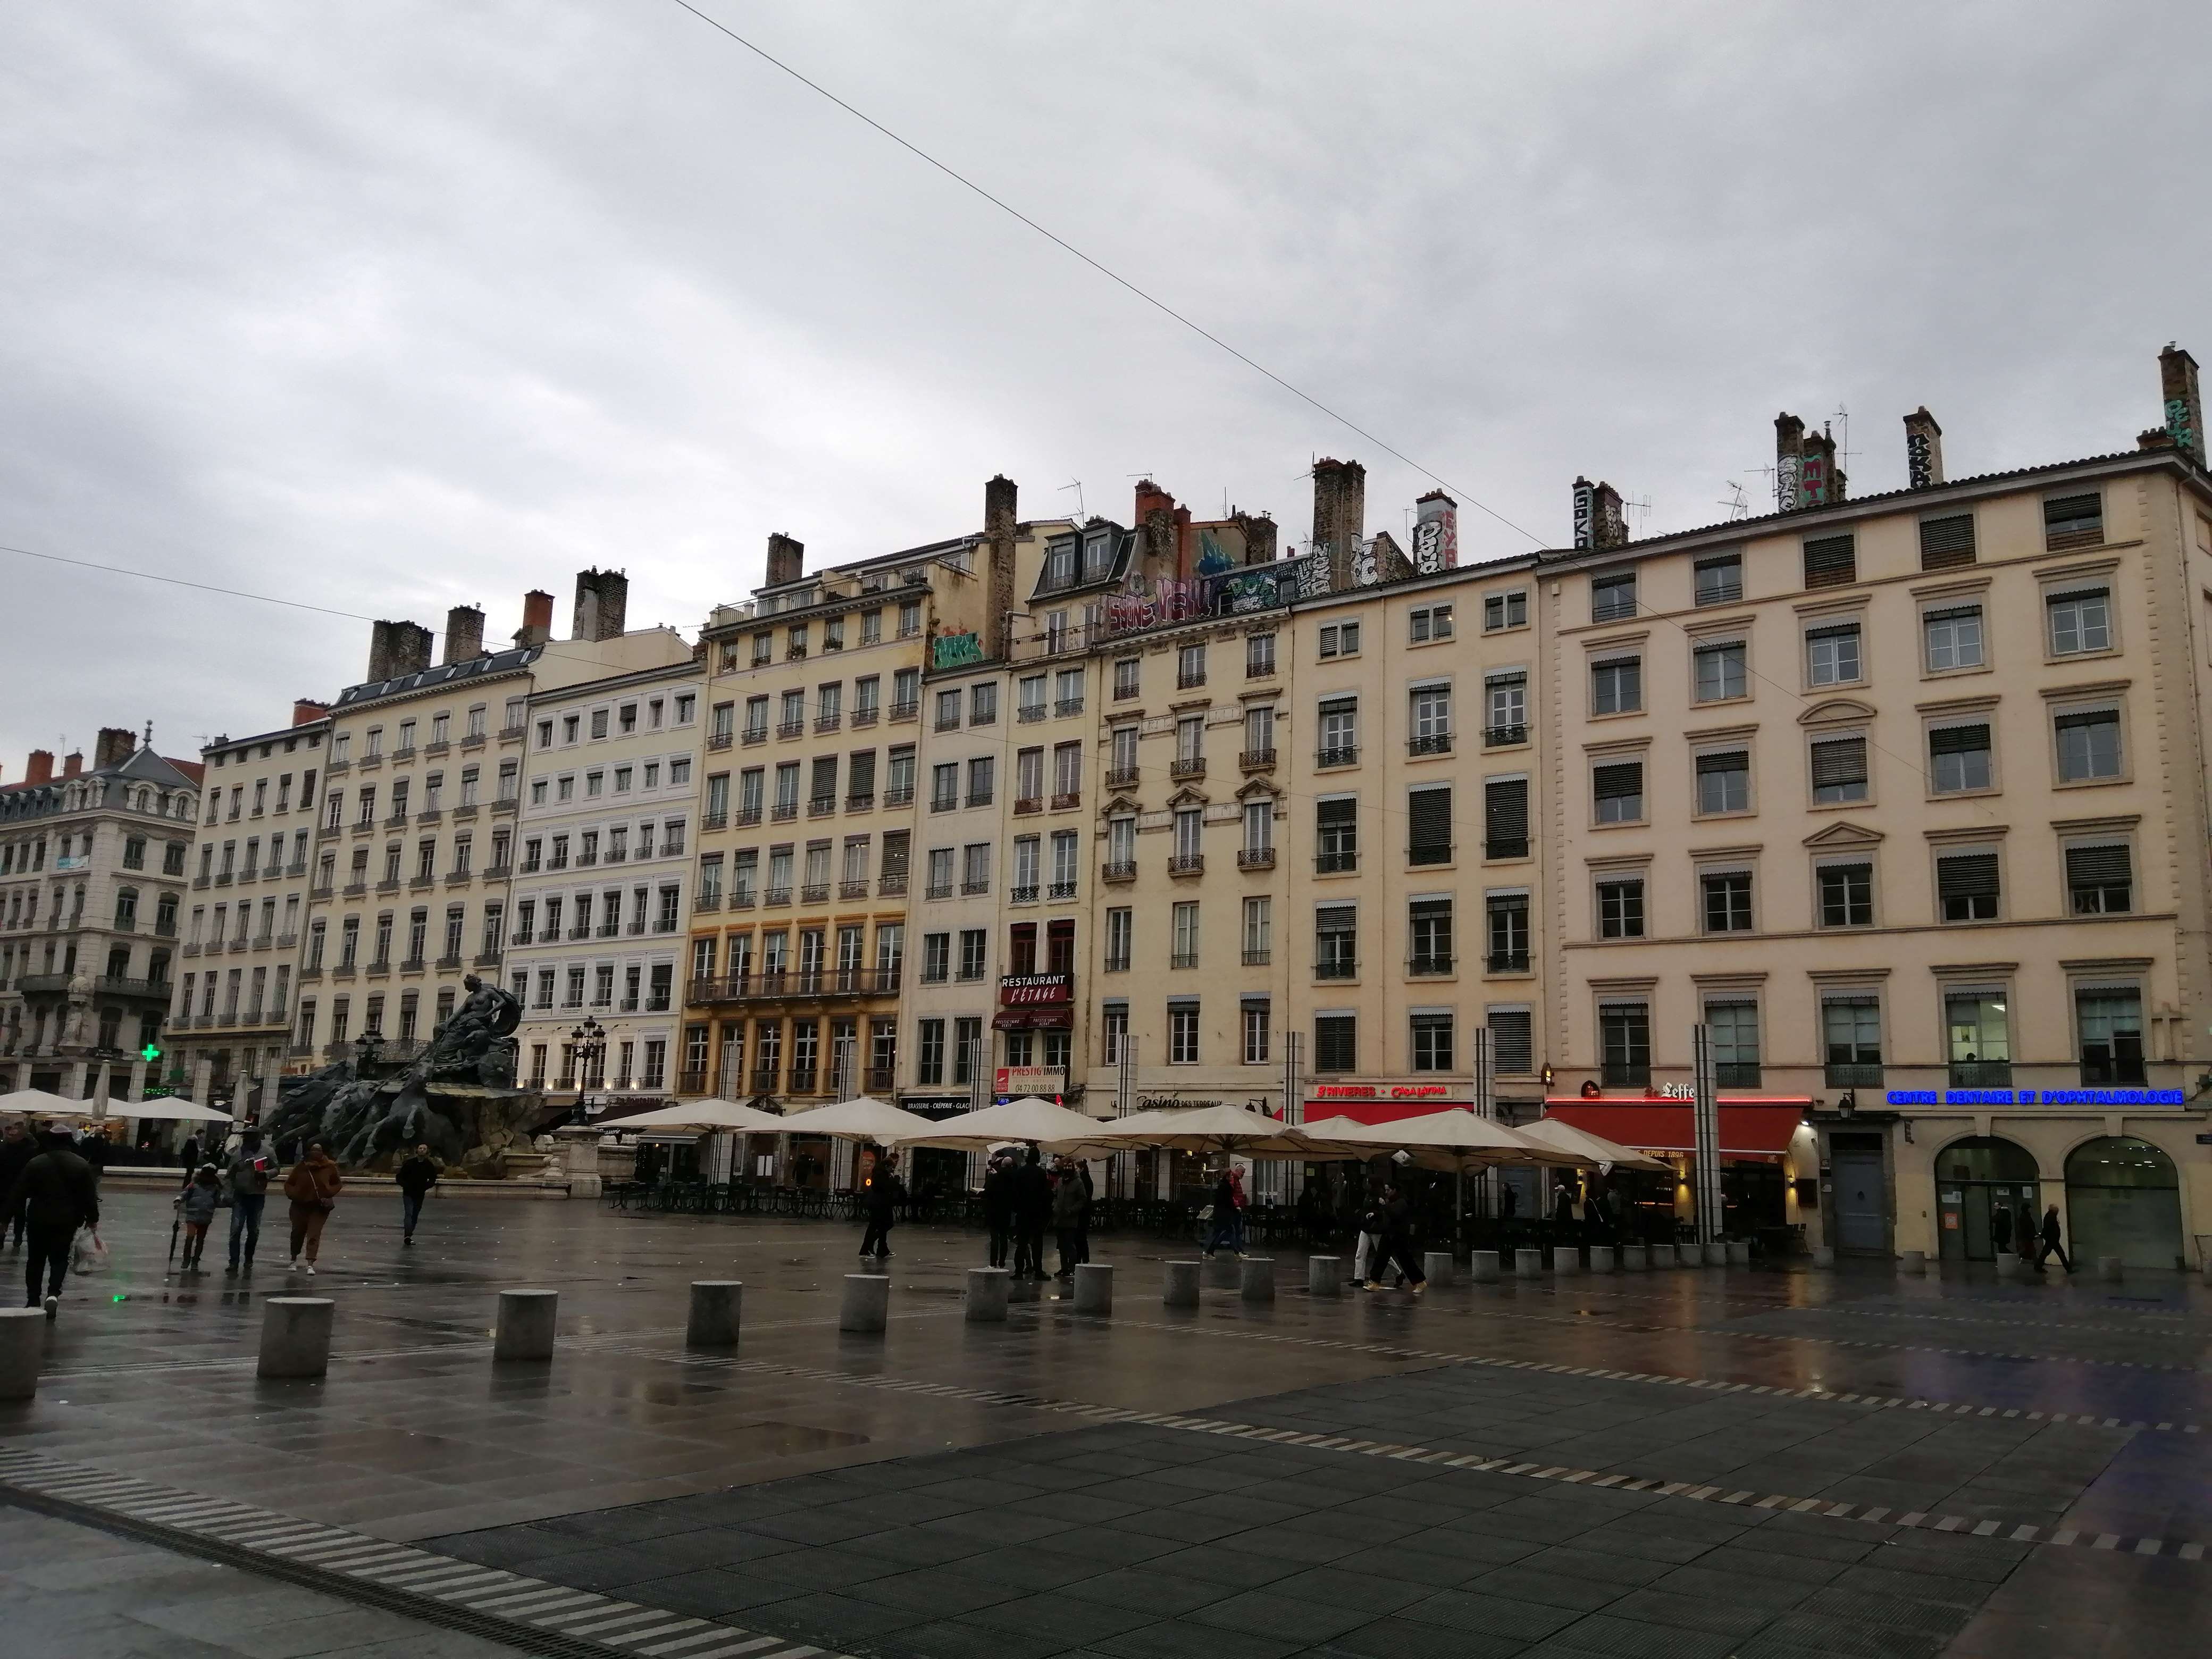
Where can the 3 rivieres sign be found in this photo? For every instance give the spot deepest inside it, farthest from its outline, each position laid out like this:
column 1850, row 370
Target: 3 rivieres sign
column 2034, row 1097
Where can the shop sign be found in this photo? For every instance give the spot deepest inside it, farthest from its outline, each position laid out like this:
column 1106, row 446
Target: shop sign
column 1035, row 990
column 2033, row 1098
column 956, row 650
column 1014, row 1081
column 1437, row 1091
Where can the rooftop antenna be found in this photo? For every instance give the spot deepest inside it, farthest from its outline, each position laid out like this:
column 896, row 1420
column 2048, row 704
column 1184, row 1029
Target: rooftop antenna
column 1773, row 485
column 1076, row 484
column 1842, row 419
column 1641, row 507
column 1739, row 507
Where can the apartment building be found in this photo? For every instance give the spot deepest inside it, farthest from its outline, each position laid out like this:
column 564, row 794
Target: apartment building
column 598, row 905
column 230, row 1027
column 421, row 794
column 92, row 886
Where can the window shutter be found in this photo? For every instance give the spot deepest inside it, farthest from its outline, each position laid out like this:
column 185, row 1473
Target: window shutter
column 1968, row 875
column 1945, row 543
column 1329, row 813
column 861, row 776
column 1831, row 562
column 1505, row 815
column 1430, row 826
column 1512, row 1046
column 2074, row 521
column 1839, row 761
column 2105, row 866
column 1429, row 910
column 1959, row 739
column 2085, row 719
column 1618, row 781
column 1864, row 871
column 1736, row 760
column 825, row 777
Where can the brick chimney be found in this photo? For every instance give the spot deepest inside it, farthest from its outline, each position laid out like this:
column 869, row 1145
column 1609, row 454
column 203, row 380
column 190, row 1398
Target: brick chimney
column 1924, row 450
column 73, row 764
column 397, row 648
column 1436, row 532
column 39, row 767
column 114, row 747
column 1340, row 516
column 537, row 618
column 306, row 711
column 1608, row 524
column 1816, row 472
column 1788, row 462
column 602, row 605
column 464, row 634
column 1001, row 506
column 1260, row 540
column 787, row 560
column 2185, row 406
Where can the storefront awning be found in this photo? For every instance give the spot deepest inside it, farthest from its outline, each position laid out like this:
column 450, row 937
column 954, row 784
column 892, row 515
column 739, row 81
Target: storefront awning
column 1759, row 1127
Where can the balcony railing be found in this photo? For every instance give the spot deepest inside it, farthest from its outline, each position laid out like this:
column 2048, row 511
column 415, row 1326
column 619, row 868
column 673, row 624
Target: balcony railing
column 979, row 798
column 1506, row 962
column 791, row 728
column 1189, row 679
column 1502, row 848
column 1502, row 737
column 938, row 890
column 1060, row 890
column 1435, row 743
column 1257, row 760
column 775, row 896
column 971, row 889
column 715, row 820
column 1066, row 706
column 1187, row 863
column 1022, row 895
column 1122, row 777
column 1337, row 968
column 1118, row 872
column 944, row 803
column 1867, row 1075
column 1430, row 852
column 1973, row 1074
column 814, row 892
column 1255, row 858
column 1261, row 670
column 1029, row 714
column 1186, row 766
column 861, row 803
column 721, row 739
column 1343, row 755
column 899, row 795
column 753, row 734
column 827, row 722
column 1736, row 1074
column 1336, row 863
column 783, row 811
column 820, row 806
column 1625, row 1074
column 1026, row 804
column 746, row 817
column 891, row 886
column 906, row 710
column 1433, row 962
column 1183, row 959
column 1258, row 957
column 797, row 983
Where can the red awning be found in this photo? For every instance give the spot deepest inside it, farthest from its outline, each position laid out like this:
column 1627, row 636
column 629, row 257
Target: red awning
column 1749, row 1129
column 1379, row 1111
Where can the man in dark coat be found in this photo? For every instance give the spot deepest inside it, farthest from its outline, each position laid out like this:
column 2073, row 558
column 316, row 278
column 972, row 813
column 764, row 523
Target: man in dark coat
column 885, row 1192
column 1397, row 1247
column 999, row 1207
column 2051, row 1245
column 58, row 1195
column 18, row 1146
column 417, row 1174
column 1032, row 1213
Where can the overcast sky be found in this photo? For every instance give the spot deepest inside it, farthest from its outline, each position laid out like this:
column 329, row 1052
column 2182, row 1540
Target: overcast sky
column 388, row 308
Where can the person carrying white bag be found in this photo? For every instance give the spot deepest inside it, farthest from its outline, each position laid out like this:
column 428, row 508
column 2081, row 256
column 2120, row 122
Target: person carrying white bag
column 59, row 1196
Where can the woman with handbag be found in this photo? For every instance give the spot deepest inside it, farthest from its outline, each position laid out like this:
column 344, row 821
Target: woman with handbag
column 312, row 1185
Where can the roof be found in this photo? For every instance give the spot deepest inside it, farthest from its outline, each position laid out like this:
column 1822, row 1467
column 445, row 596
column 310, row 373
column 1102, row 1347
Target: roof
column 476, row 668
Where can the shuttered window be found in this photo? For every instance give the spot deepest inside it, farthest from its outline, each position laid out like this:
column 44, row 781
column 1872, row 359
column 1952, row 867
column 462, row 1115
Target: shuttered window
column 1505, row 819
column 1840, row 769
column 1966, row 886
column 1618, row 789
column 1831, row 561
column 2100, row 878
column 1846, row 895
column 2074, row 521
column 1512, row 1042
column 825, row 778
column 1725, row 781
column 1336, row 834
column 1429, row 837
column 1945, row 543
column 1336, row 1042
column 2088, row 744
column 1959, row 757
column 861, row 775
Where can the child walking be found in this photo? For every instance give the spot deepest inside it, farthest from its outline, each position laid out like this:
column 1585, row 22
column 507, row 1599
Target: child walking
column 196, row 1204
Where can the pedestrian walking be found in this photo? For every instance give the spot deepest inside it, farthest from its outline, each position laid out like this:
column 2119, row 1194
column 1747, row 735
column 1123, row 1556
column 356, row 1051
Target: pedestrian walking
column 188, row 1156
column 1083, row 1223
column 58, row 1195
column 247, row 1172
column 1032, row 1214
column 885, row 1192
column 1221, row 1222
column 1398, row 1243
column 2051, row 1245
column 2001, row 1228
column 18, row 1146
column 999, row 1207
column 417, row 1172
column 312, row 1185
column 196, row 1207
column 1068, row 1202
column 1370, row 1242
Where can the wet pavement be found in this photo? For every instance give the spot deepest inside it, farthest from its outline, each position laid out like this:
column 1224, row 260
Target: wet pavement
column 1681, row 1463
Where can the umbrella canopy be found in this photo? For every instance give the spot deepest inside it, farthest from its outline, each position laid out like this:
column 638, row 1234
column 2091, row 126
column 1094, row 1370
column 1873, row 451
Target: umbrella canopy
column 1026, row 1119
column 1204, row 1129
column 1457, row 1139
column 859, row 1118
column 41, row 1103
column 1587, row 1148
column 710, row 1113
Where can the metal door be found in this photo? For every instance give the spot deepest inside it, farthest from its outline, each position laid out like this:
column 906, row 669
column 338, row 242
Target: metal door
column 1862, row 1202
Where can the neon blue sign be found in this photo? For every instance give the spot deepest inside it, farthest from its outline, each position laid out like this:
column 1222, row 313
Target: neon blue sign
column 2033, row 1098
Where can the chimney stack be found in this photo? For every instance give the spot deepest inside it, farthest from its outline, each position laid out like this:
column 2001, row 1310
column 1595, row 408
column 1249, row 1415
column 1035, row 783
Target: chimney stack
column 1924, row 450
column 39, row 767
column 1599, row 521
column 306, row 711
column 1816, row 471
column 1436, row 532
column 2185, row 406
column 1260, row 541
column 464, row 634
column 397, row 648
column 73, row 764
column 787, row 560
column 114, row 747
column 1788, row 461
column 602, row 605
column 537, row 618
column 1339, row 517
column 1001, row 501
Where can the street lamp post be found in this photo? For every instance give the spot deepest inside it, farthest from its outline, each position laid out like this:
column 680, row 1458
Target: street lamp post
column 589, row 1046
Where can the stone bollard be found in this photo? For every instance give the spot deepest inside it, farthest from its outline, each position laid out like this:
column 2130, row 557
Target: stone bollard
column 717, row 1305
column 23, row 1341
column 866, row 1305
column 2008, row 1265
column 1094, row 1288
column 1565, row 1263
column 1600, row 1258
column 1179, row 1285
column 1739, row 1253
column 987, row 1296
column 1527, row 1264
column 1257, row 1283
column 1438, row 1267
column 1635, row 1258
column 1714, row 1254
column 1913, row 1262
column 1824, row 1256
column 1223, row 1271
column 1483, row 1267
column 295, row 1336
column 526, row 1319
column 2108, row 1269
column 1324, row 1275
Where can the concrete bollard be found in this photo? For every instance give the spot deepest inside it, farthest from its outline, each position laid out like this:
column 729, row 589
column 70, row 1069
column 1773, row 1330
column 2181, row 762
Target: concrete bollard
column 1824, row 1256
column 1324, row 1275
column 1600, row 1258
column 1223, row 1271
column 2008, row 1265
column 1179, row 1285
column 1714, row 1254
column 986, row 1302
column 23, row 1341
column 1635, row 1258
column 1913, row 1262
column 1527, row 1264
column 1483, row 1267
column 1258, row 1280
column 526, row 1321
column 295, row 1336
column 1094, row 1287
column 866, row 1305
column 1439, row 1267
column 1565, row 1263
column 717, row 1308
column 1739, row 1253
column 2108, row 1269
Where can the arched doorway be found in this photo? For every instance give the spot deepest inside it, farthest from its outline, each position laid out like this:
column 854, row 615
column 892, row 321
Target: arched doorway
column 2123, row 1199
column 1975, row 1177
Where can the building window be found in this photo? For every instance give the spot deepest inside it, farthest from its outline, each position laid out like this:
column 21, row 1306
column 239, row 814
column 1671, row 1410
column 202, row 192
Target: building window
column 1259, row 931
column 1946, row 542
column 1831, row 562
column 974, row 950
column 1127, row 671
column 1719, row 580
column 1430, row 719
column 1832, row 655
column 1966, row 887
column 1432, row 1042
column 1182, row 1034
column 1613, row 599
column 1505, row 710
column 2071, row 521
column 1431, row 622
column 1340, row 640
column 1258, row 1047
column 1259, row 850
column 1336, row 942
column 2099, row 879
column 1727, row 901
column 929, row 1052
column 1724, row 782
column 1624, row 1035
column 1723, row 671
column 2081, row 620
column 1505, row 819
column 1336, row 834
column 1503, row 610
column 1121, row 930
column 1980, row 1039
column 1617, row 790
column 2108, row 1025
column 983, row 703
column 1429, row 936
column 1846, row 895
column 1429, row 826
column 1336, row 1042
column 1850, row 1034
column 1506, row 916
column 1184, row 917
column 1617, row 686
column 1952, row 638
column 1958, row 758
column 1620, row 908
column 1512, row 1040
column 2089, row 745
column 1732, row 1027
column 1340, row 732
column 1839, row 770
column 1259, row 655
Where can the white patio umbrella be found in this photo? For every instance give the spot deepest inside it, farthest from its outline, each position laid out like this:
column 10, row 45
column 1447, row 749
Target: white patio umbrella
column 862, row 1118
column 711, row 1113
column 1029, row 1119
column 1587, row 1148
column 1204, row 1129
column 43, row 1104
column 1456, row 1141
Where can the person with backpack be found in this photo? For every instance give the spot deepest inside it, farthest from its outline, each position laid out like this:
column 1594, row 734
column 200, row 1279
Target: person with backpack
column 885, row 1193
column 312, row 1185
column 196, row 1207
column 58, row 1195
column 247, row 1174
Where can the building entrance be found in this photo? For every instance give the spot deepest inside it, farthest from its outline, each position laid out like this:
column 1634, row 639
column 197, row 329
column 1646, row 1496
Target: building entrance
column 1976, row 1178
column 2123, row 1199
column 1862, row 1193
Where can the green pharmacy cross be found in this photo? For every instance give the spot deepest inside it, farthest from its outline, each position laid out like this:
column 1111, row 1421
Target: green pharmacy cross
column 150, row 1053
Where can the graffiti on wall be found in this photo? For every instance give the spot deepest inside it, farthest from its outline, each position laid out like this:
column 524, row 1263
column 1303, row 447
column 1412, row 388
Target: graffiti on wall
column 1919, row 459
column 956, row 650
column 1436, row 539
column 2177, row 422
column 1786, row 495
column 1585, row 513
